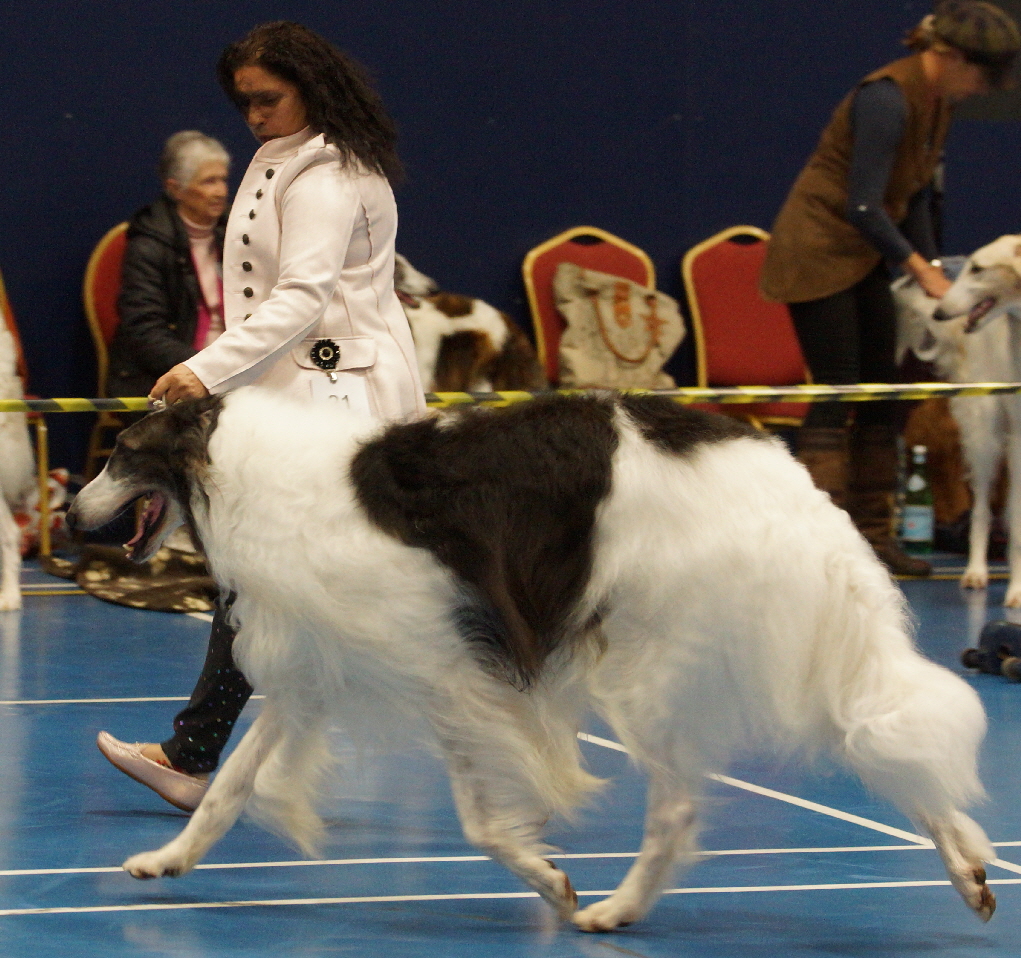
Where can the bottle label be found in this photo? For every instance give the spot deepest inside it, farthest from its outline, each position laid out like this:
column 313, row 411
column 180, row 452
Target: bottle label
column 918, row 524
column 916, row 483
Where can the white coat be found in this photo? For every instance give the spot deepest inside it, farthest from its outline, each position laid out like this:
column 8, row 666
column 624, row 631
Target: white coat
column 309, row 255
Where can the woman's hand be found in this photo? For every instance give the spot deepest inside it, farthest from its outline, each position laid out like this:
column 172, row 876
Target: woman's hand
column 929, row 276
column 177, row 384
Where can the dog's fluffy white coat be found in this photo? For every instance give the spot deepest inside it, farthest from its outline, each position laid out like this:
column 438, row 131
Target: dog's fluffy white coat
column 740, row 607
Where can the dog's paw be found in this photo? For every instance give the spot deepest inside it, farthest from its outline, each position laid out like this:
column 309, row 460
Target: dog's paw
column 1013, row 597
column 10, row 601
column 606, row 915
column 971, row 886
column 153, row 865
column 975, row 579
column 555, row 887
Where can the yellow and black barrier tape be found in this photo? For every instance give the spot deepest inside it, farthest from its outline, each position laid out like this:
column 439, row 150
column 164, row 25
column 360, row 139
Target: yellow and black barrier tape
column 861, row 392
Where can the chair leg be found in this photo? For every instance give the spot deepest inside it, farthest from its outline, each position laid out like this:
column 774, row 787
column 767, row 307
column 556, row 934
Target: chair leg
column 42, row 456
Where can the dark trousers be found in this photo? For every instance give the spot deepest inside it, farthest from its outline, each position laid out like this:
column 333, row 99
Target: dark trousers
column 851, row 337
column 202, row 728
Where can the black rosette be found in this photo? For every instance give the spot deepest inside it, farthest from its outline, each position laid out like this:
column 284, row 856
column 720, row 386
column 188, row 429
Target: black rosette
column 325, row 353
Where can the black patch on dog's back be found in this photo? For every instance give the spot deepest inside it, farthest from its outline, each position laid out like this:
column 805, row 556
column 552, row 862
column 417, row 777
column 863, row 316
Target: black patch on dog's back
column 678, row 429
column 506, row 499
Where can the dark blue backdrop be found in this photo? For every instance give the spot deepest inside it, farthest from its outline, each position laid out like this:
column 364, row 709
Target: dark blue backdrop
column 661, row 121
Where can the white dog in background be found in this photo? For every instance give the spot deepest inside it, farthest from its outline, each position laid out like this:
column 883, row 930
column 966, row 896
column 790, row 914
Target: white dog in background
column 483, row 580
column 463, row 344
column 974, row 335
column 17, row 474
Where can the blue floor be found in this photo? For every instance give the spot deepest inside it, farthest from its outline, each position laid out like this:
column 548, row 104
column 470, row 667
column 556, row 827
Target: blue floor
column 800, row 862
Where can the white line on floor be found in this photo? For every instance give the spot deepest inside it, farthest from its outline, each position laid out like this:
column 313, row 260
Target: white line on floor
column 439, row 859
column 471, row 896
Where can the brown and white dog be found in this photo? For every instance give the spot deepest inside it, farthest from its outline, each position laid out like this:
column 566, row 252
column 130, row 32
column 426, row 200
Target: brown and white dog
column 462, row 343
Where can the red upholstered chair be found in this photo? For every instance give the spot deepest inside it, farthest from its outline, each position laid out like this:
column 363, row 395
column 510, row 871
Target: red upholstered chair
column 36, row 420
column 99, row 293
column 590, row 248
column 741, row 339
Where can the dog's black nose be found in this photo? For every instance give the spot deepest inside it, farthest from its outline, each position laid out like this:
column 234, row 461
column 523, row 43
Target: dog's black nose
column 939, row 315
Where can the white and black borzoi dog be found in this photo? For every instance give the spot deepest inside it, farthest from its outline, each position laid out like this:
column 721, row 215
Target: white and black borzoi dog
column 982, row 344
column 462, row 343
column 487, row 578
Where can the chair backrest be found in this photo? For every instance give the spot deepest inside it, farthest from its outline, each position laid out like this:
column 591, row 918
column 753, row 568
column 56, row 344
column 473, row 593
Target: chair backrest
column 741, row 339
column 590, row 248
column 99, row 294
column 12, row 328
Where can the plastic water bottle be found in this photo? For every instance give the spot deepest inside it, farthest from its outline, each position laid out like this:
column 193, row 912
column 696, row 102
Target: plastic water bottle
column 918, row 520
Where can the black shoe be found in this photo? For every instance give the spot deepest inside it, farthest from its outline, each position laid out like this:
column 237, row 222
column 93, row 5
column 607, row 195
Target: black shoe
column 899, row 562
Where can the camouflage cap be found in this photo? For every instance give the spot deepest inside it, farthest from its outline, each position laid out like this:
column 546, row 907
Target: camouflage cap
column 985, row 33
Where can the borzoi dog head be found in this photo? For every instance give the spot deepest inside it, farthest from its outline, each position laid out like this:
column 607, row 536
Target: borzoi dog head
column 410, row 284
column 155, row 458
column 989, row 285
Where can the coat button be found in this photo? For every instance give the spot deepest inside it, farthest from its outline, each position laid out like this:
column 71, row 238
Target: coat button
column 258, row 194
column 251, row 214
column 245, row 239
column 247, row 267
column 269, row 174
column 248, row 292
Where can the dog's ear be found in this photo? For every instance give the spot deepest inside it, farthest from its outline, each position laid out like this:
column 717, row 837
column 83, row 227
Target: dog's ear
column 196, row 417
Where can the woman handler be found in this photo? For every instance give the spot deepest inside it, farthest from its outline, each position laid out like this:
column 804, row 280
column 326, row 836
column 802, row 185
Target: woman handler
column 309, row 308
column 859, row 206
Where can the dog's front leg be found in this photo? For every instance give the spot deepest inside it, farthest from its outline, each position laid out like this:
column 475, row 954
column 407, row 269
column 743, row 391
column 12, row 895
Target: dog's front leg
column 982, row 425
column 10, row 556
column 497, row 832
column 219, row 809
column 1013, row 597
column 669, row 840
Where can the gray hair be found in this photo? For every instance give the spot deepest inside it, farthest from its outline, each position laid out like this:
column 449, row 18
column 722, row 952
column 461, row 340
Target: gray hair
column 185, row 152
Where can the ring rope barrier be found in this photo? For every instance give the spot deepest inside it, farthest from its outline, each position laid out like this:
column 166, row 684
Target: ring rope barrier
column 735, row 395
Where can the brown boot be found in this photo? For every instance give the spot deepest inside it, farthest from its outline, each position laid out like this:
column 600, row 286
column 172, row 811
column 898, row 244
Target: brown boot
column 871, row 494
column 824, row 453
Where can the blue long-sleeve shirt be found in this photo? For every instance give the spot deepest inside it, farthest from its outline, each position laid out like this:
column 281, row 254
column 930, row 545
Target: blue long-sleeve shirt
column 878, row 121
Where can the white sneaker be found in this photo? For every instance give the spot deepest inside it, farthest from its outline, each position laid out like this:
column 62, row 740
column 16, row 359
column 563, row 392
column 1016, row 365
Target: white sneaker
column 182, row 790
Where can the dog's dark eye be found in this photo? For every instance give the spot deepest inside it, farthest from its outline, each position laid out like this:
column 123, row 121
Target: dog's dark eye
column 976, row 268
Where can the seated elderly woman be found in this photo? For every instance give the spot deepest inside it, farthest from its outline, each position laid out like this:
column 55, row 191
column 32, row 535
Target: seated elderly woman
column 171, row 299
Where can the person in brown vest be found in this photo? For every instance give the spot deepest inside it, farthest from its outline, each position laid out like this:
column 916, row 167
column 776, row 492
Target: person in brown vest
column 861, row 206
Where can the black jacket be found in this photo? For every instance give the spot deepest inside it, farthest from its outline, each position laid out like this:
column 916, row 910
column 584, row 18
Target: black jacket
column 158, row 301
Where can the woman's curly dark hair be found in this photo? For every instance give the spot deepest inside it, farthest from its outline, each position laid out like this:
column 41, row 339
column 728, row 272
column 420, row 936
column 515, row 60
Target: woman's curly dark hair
column 338, row 96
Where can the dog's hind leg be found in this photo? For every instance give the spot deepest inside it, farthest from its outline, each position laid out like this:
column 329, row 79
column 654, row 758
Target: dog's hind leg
column 914, row 738
column 219, row 809
column 491, row 827
column 10, row 556
column 669, row 841
column 963, row 846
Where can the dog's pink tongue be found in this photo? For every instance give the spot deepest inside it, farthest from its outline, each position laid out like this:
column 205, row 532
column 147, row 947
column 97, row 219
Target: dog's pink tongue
column 152, row 511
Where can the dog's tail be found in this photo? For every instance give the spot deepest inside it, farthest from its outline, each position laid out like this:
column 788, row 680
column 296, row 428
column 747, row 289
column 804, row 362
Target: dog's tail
column 910, row 728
